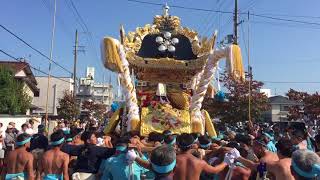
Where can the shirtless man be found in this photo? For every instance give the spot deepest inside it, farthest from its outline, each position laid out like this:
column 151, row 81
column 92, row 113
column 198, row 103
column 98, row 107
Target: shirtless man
column 277, row 164
column 187, row 166
column 186, row 161
column 54, row 163
column 20, row 161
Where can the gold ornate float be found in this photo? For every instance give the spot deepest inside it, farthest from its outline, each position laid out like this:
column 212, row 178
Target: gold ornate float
column 176, row 68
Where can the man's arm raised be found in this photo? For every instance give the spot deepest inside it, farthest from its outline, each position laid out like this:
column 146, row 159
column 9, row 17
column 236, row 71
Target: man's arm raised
column 132, row 156
column 214, row 170
column 249, row 164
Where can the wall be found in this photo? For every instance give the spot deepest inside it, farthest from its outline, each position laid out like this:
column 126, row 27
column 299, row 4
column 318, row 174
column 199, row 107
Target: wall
column 18, row 120
column 57, row 88
column 95, row 92
column 275, row 110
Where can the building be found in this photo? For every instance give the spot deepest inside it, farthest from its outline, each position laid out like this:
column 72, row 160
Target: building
column 23, row 73
column 279, row 110
column 266, row 92
column 57, row 88
column 88, row 89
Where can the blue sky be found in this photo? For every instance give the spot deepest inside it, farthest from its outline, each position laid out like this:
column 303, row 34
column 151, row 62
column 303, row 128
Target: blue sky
column 280, row 50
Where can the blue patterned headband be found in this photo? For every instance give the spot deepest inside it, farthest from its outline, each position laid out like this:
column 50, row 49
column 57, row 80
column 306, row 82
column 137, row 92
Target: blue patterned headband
column 163, row 169
column 21, row 143
column 54, row 143
column 121, row 148
column 173, row 141
column 314, row 172
column 205, row 145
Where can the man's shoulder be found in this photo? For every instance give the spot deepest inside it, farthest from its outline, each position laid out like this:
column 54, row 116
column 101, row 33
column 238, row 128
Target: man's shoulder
column 64, row 155
column 27, row 154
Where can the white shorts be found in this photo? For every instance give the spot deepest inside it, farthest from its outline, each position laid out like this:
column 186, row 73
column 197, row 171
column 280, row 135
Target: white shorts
column 1, row 154
column 83, row 176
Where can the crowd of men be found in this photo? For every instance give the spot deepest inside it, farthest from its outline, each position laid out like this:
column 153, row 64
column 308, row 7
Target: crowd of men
column 85, row 153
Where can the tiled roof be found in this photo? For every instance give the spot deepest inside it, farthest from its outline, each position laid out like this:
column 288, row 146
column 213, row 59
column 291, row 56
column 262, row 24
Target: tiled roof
column 281, row 100
column 18, row 66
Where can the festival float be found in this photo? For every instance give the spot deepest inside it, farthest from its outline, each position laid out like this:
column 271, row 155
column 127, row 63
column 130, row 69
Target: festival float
column 165, row 72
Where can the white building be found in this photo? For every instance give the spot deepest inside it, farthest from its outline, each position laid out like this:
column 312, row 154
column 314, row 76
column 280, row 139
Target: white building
column 23, row 73
column 279, row 110
column 267, row 92
column 56, row 92
column 88, row 89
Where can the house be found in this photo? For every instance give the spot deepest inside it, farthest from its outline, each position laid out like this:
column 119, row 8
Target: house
column 279, row 110
column 56, row 91
column 23, row 73
column 88, row 89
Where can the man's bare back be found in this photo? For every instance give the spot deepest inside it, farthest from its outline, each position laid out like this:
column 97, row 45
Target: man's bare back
column 18, row 161
column 189, row 167
column 269, row 157
column 55, row 162
column 281, row 169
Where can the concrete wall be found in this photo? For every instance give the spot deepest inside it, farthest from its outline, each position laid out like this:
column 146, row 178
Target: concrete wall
column 18, row 120
column 57, row 87
column 277, row 114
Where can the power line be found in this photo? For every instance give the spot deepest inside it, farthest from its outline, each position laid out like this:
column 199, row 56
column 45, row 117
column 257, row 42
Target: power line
column 78, row 14
column 180, row 7
column 288, row 15
column 229, row 12
column 292, row 82
column 83, row 26
column 36, row 69
column 285, row 25
column 43, row 55
column 244, row 40
column 288, row 20
column 75, row 15
column 206, row 22
column 250, row 5
column 60, row 20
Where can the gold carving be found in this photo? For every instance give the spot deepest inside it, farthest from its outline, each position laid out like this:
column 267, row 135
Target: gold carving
column 133, row 40
column 168, row 23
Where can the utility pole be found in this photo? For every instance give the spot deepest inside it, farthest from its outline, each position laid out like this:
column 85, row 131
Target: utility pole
column 250, row 94
column 235, row 23
column 75, row 65
column 250, row 75
column 51, row 55
column 103, row 89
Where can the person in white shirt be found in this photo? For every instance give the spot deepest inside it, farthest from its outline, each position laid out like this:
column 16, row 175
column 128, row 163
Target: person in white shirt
column 1, row 149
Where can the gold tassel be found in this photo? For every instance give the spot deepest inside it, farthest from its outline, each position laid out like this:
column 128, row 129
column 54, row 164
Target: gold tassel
column 135, row 125
column 238, row 71
column 209, row 125
column 197, row 127
column 113, row 122
column 111, row 57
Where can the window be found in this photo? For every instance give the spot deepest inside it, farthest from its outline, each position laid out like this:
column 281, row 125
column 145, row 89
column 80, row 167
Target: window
column 284, row 108
column 142, row 83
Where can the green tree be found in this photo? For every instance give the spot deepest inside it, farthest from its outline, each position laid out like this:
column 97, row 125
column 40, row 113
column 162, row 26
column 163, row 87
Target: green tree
column 235, row 107
column 96, row 110
column 308, row 105
column 68, row 107
column 13, row 98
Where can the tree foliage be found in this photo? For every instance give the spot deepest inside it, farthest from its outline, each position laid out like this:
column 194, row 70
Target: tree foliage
column 95, row 110
column 68, row 107
column 308, row 105
column 236, row 107
column 13, row 98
